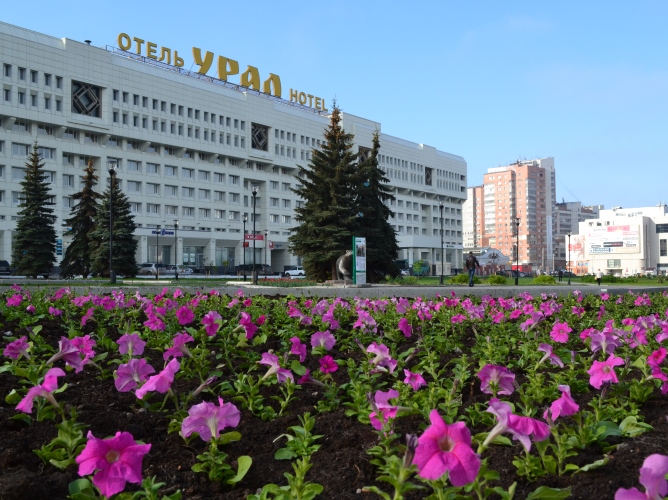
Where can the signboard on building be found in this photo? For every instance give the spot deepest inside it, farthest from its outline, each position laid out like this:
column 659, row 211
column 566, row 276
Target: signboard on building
column 359, row 260
column 162, row 232
column 256, row 237
column 613, row 239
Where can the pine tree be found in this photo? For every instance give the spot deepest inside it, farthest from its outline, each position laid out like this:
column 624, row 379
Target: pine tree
column 381, row 240
column 124, row 245
column 327, row 218
column 35, row 239
column 81, row 223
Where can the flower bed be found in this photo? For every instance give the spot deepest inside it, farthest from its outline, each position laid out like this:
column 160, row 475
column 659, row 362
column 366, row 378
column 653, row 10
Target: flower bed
column 210, row 396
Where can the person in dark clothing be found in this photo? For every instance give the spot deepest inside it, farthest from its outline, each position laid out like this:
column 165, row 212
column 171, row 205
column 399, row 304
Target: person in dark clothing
column 561, row 275
column 471, row 264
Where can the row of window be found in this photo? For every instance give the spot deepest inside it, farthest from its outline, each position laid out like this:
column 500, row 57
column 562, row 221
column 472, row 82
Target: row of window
column 23, row 73
column 23, row 98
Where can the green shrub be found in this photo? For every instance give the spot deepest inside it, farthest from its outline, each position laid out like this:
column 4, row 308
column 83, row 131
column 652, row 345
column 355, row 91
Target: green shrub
column 463, row 279
column 544, row 280
column 497, row 280
column 588, row 278
column 609, row 278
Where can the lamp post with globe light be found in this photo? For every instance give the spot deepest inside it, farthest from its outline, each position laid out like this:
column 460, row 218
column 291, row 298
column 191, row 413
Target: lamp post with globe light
column 254, row 191
column 111, row 167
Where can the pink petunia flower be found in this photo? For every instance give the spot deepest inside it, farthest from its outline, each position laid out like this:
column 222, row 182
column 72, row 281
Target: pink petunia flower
column 118, row 460
column 323, row 339
column 565, row 406
column 14, row 300
column 405, row 327
column 55, row 312
column 282, row 374
column 652, row 477
column 132, row 344
column 208, row 420
column 298, row 348
column 17, row 348
column 179, row 347
column 87, row 316
column 654, row 359
column 560, row 332
column 381, row 408
column 307, row 378
column 31, row 309
column 160, row 382
column 415, row 380
column 70, row 353
column 446, row 448
column 549, row 355
column 130, row 375
column 185, row 315
column 247, row 323
column 328, row 365
column 457, row 318
column 43, row 390
column 496, row 380
column 604, row 371
column 85, row 346
column 383, row 358
column 211, row 323
column 521, row 428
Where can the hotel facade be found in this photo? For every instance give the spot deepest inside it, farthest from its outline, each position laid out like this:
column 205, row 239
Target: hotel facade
column 190, row 148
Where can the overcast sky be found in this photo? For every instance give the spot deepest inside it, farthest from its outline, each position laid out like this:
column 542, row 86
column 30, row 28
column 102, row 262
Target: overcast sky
column 584, row 82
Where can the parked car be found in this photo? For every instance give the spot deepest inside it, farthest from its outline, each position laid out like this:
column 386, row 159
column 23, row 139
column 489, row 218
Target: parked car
column 297, row 271
column 150, row 269
column 5, row 268
column 182, row 270
column 262, row 269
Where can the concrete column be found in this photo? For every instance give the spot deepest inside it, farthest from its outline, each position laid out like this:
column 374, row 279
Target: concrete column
column 143, row 249
column 210, row 252
column 6, row 246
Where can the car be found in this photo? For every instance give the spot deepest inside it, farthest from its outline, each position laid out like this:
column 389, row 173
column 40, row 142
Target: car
column 150, row 269
column 297, row 271
column 5, row 268
column 182, row 270
column 262, row 269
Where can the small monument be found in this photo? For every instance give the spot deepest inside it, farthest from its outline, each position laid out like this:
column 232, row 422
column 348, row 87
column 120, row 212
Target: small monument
column 344, row 266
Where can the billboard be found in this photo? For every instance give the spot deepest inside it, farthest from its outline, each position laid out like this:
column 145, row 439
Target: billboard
column 613, row 239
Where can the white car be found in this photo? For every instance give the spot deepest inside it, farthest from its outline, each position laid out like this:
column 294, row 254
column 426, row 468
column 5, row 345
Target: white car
column 297, row 271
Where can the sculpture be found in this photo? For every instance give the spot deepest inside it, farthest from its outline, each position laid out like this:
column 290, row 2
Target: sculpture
column 344, row 266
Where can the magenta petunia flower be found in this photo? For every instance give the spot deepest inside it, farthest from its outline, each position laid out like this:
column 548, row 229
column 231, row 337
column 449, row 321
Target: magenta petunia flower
column 43, row 390
column 55, row 312
column 14, row 300
column 323, row 339
column 87, row 316
column 208, row 420
column 307, row 378
column 496, row 380
column 282, row 374
column 298, row 348
column 446, row 448
column 328, row 365
column 31, row 309
column 457, row 318
column 381, row 408
column 179, row 347
column 549, row 355
column 654, row 359
column 603, row 341
column 154, row 322
column 405, row 327
column 70, row 353
column 85, row 345
column 211, row 323
column 131, row 374
column 560, row 332
column 17, row 348
column 415, row 380
column 604, row 371
column 118, row 460
column 521, row 428
column 185, row 315
column 565, row 406
column 160, row 382
column 247, row 323
column 383, row 358
column 652, row 477
column 132, row 344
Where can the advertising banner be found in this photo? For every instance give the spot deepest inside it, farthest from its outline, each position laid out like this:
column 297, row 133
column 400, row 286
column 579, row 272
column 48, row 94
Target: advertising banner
column 613, row 239
column 359, row 260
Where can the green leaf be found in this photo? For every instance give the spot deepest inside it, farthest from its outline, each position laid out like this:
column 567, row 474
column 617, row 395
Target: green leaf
column 36, row 330
column 298, row 368
column 81, row 489
column 244, row 464
column 22, row 417
column 606, row 429
column 13, row 398
column 545, row 493
column 630, row 427
column 640, row 362
column 593, row 465
column 228, row 437
column 284, row 454
column 6, row 368
column 377, row 491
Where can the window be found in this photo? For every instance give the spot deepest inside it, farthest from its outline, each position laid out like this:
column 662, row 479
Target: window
column 134, row 187
column 273, row 185
column 59, row 82
column 135, row 121
column 663, row 249
column 33, row 76
column 286, row 219
column 68, row 180
column 188, row 212
column 59, row 105
column 188, row 192
column 88, row 137
column 171, row 171
column 187, row 173
column 172, row 108
column 70, row 134
column 114, row 94
column 219, row 214
column 44, row 130
column 171, row 191
column 152, row 148
column 114, row 142
column 8, row 70
column 20, row 149
column 235, row 216
column 153, row 168
column 152, row 209
column 219, row 178
column 273, row 202
column 171, row 210
column 134, row 166
column 135, row 208
column 234, row 180
column 204, row 194
column 259, row 137
column 273, row 218
column 22, row 97
column 235, row 198
column 286, row 186
column 132, row 145
column 33, row 100
column 219, row 196
column 155, row 104
column 68, row 159
column 68, row 202
column 204, row 213
column 203, row 175
column 135, row 99
column 197, row 114
column 7, row 95
column 18, row 174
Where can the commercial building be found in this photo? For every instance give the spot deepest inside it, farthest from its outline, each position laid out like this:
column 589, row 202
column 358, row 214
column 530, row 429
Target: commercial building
column 623, row 242
column 191, row 148
column 569, row 214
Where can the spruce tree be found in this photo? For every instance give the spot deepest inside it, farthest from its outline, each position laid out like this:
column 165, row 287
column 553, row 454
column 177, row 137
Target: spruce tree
column 81, row 224
column 124, row 245
column 327, row 217
column 381, row 241
column 35, row 238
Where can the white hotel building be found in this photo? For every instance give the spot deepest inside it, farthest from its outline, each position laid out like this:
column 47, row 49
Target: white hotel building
column 189, row 148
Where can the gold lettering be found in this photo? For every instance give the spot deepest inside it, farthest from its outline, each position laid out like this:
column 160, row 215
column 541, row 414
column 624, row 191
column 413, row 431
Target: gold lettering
column 293, row 95
column 276, row 80
column 165, row 55
column 310, row 100
column 150, row 50
column 139, row 44
column 205, row 64
column 124, row 41
column 227, row 67
column 318, row 103
column 178, row 62
column 251, row 78
column 323, row 106
column 302, row 98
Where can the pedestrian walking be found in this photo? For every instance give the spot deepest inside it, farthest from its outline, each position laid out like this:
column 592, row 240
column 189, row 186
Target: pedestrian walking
column 471, row 264
column 561, row 275
column 599, row 275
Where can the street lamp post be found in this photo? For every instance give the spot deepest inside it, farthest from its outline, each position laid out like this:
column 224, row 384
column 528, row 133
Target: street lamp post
column 243, row 245
column 517, row 249
column 254, row 191
column 176, row 252
column 111, row 167
column 157, row 255
column 440, row 205
column 569, row 257
column 266, row 233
